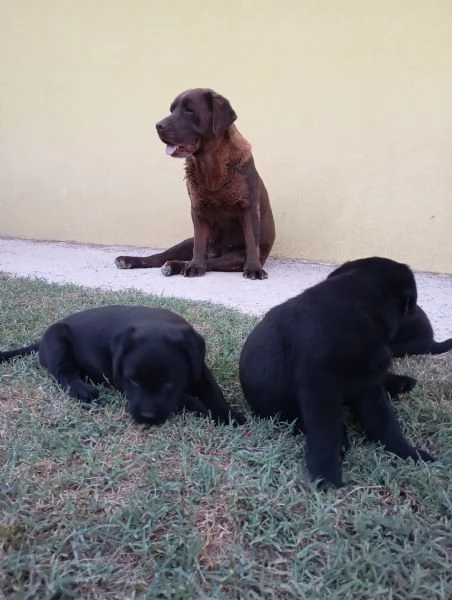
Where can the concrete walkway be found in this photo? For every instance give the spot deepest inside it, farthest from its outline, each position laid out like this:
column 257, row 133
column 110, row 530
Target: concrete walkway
column 93, row 266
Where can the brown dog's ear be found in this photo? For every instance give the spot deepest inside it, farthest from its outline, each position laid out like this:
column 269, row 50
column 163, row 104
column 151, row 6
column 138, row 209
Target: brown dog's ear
column 223, row 115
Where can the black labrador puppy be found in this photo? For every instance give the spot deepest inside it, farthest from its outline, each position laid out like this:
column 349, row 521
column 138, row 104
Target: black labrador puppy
column 330, row 347
column 415, row 336
column 152, row 355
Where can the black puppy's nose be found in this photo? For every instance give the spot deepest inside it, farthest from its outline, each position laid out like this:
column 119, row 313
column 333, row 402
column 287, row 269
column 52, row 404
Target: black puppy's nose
column 160, row 126
column 148, row 414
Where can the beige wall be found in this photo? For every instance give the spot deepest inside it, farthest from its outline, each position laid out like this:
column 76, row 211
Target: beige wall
column 348, row 105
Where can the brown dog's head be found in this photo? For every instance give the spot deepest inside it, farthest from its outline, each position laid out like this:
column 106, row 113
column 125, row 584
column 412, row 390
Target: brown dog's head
column 197, row 115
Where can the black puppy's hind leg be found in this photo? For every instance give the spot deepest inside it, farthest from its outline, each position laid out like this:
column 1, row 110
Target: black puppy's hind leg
column 374, row 411
column 212, row 398
column 56, row 356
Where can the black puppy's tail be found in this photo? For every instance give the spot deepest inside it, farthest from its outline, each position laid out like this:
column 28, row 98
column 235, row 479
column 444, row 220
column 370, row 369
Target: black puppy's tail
column 440, row 347
column 4, row 356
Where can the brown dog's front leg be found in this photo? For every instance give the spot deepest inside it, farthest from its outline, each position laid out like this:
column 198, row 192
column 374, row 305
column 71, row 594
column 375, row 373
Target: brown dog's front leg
column 197, row 266
column 250, row 223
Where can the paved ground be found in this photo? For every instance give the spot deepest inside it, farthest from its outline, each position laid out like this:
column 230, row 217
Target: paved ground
column 93, row 266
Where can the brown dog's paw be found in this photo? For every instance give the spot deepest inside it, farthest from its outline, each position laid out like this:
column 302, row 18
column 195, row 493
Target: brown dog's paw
column 124, row 262
column 254, row 272
column 194, row 270
column 173, row 267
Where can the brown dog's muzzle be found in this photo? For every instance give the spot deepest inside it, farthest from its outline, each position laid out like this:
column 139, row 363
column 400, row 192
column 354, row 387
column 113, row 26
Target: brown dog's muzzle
column 173, row 146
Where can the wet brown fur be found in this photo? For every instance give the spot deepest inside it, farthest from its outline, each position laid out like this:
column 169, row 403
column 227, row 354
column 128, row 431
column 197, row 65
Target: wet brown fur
column 221, row 183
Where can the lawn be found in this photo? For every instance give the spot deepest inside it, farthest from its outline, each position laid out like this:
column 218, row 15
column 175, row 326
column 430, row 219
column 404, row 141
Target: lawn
column 94, row 506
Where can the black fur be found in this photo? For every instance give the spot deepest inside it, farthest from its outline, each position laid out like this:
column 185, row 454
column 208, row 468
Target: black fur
column 152, row 355
column 415, row 336
column 330, row 347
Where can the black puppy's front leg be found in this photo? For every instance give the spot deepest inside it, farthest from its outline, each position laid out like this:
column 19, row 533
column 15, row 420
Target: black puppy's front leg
column 345, row 445
column 55, row 354
column 212, row 398
column 194, row 405
column 327, row 443
column 374, row 411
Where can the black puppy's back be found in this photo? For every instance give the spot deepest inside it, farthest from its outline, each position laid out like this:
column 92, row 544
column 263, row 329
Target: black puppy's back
column 102, row 323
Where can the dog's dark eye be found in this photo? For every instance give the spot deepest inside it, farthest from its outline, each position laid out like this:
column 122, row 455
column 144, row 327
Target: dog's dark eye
column 188, row 110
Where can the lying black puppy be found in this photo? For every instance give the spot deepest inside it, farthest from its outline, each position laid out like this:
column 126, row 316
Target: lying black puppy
column 152, row 355
column 415, row 336
column 330, row 347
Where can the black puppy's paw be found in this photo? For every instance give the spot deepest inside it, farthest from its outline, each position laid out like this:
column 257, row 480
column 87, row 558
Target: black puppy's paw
column 326, row 476
column 237, row 418
column 83, row 392
column 399, row 384
column 423, row 455
column 324, row 485
column 345, row 444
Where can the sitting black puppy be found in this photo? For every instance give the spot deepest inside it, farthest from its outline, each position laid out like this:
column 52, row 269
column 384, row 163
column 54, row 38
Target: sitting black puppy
column 330, row 347
column 152, row 355
column 415, row 336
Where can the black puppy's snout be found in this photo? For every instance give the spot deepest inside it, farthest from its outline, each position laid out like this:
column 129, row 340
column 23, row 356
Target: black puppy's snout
column 160, row 126
column 147, row 414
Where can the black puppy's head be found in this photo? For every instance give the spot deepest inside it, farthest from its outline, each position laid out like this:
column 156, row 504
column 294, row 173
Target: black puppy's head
column 395, row 280
column 197, row 116
column 154, row 367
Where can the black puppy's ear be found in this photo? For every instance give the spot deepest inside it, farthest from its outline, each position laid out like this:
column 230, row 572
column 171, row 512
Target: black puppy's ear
column 410, row 300
column 121, row 342
column 196, row 352
column 223, row 115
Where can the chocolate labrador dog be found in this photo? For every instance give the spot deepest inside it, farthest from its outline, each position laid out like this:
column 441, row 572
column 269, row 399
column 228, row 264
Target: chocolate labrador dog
column 152, row 355
column 232, row 218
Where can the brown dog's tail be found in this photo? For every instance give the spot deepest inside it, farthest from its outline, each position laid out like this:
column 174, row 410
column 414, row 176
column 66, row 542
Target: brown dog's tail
column 4, row 356
column 440, row 347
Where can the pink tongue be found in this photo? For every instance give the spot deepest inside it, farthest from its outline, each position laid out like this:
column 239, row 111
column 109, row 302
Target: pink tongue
column 170, row 149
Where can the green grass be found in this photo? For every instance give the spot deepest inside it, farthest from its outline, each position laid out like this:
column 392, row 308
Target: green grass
column 93, row 506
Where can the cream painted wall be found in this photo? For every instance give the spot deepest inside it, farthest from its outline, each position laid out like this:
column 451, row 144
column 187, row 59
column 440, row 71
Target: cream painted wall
column 348, row 106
